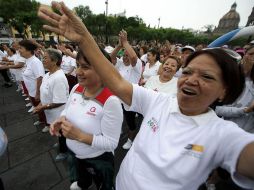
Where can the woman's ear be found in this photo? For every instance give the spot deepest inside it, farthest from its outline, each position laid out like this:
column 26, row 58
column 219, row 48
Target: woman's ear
column 222, row 96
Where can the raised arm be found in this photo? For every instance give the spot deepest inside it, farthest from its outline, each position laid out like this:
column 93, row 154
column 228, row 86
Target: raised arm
column 245, row 164
column 71, row 27
column 114, row 53
column 132, row 54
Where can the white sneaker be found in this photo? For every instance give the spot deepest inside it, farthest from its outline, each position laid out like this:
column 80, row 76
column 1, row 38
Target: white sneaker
column 18, row 90
column 36, row 123
column 27, row 99
column 45, row 129
column 24, row 94
column 29, row 104
column 127, row 145
column 31, row 109
column 61, row 157
column 74, row 186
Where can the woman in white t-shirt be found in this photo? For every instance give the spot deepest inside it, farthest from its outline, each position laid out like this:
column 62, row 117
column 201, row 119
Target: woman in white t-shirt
column 152, row 66
column 91, row 123
column 68, row 65
column 165, row 82
column 32, row 74
column 181, row 139
column 130, row 68
column 54, row 92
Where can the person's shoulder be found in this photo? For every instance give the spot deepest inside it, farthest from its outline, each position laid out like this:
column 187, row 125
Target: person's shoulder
column 153, row 78
column 59, row 74
column 158, row 63
column 223, row 125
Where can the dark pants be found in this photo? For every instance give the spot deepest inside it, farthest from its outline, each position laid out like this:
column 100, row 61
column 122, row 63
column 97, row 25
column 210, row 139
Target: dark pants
column 41, row 115
column 100, row 168
column 72, row 81
column 130, row 119
column 5, row 75
column 62, row 143
column 1, row 184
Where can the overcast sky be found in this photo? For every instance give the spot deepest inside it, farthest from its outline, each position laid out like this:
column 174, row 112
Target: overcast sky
column 172, row 13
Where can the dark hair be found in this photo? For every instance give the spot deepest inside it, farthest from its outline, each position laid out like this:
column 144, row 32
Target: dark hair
column 81, row 55
column 68, row 46
column 154, row 52
column 55, row 55
column 13, row 50
column 252, row 69
column 145, row 48
column 28, row 45
column 232, row 72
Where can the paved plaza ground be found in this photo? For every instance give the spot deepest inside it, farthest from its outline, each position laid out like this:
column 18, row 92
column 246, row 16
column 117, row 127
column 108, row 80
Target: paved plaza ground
column 28, row 163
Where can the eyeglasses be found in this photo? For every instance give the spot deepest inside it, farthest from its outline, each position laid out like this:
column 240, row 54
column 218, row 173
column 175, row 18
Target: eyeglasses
column 237, row 57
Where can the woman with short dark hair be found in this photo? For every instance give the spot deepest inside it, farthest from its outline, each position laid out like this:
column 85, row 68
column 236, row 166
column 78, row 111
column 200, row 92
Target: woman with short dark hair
column 32, row 75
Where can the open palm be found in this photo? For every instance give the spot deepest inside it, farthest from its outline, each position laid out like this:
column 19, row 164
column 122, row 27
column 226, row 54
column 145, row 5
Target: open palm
column 67, row 24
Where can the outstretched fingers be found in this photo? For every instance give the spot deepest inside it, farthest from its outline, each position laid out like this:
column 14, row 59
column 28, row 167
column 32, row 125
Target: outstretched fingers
column 65, row 10
column 49, row 16
column 53, row 29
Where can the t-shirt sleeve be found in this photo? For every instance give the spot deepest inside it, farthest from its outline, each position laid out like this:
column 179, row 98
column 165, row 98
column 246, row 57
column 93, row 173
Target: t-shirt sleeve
column 60, row 91
column 118, row 63
column 73, row 63
column 232, row 143
column 111, row 124
column 142, row 99
column 38, row 69
column 138, row 67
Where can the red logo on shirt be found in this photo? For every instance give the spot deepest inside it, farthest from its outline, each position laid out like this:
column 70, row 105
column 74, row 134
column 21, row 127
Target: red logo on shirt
column 92, row 109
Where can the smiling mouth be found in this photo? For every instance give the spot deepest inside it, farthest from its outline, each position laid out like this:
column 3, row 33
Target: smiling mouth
column 81, row 79
column 189, row 92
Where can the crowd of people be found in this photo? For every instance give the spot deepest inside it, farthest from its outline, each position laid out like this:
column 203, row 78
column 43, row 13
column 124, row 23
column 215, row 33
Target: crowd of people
column 186, row 97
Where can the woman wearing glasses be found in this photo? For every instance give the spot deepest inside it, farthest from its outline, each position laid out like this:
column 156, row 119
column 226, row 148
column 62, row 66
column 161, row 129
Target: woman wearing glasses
column 242, row 110
column 175, row 147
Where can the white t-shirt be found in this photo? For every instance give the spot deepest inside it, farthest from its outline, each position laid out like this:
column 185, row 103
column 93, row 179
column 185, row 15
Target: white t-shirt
column 54, row 89
column 104, row 122
column 144, row 58
column 34, row 69
column 151, row 71
column 67, row 64
column 12, row 58
column 155, row 84
column 177, row 152
column 19, row 72
column 129, row 73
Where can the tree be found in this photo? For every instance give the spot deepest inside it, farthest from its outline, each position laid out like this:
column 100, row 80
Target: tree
column 83, row 12
column 19, row 14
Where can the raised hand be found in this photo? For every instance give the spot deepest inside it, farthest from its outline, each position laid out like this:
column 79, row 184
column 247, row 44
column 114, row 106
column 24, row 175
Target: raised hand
column 67, row 24
column 123, row 36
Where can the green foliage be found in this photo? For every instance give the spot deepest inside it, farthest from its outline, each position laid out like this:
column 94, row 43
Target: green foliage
column 20, row 14
column 102, row 27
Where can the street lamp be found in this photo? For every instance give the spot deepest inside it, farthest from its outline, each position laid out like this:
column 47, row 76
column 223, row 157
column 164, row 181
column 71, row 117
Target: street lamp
column 106, row 26
column 106, row 3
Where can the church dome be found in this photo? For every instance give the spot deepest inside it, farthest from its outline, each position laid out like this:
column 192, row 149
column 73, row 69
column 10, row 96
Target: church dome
column 229, row 21
column 232, row 14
